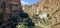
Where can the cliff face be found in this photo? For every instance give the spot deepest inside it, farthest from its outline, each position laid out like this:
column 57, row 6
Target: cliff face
column 51, row 7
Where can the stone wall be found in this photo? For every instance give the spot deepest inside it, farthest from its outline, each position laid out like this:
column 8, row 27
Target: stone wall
column 9, row 9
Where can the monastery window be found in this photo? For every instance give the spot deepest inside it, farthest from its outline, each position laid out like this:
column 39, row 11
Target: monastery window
column 14, row 5
column 13, row 10
column 10, row 6
column 3, row 5
column 7, row 6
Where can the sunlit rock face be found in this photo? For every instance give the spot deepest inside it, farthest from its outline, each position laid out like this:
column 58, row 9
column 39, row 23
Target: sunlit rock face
column 51, row 7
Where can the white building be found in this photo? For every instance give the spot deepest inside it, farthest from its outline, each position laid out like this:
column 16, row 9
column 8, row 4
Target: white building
column 43, row 15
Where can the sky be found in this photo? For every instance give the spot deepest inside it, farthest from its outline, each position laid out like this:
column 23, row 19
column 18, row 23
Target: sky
column 29, row 1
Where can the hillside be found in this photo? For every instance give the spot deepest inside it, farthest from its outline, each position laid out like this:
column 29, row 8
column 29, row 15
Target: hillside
column 50, row 7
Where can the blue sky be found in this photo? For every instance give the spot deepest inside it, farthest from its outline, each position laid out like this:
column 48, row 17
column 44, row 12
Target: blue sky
column 29, row 1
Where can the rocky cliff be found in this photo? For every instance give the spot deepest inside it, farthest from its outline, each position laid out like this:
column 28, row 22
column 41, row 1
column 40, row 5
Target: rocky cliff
column 51, row 7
